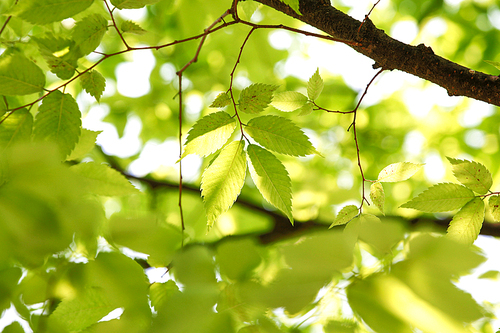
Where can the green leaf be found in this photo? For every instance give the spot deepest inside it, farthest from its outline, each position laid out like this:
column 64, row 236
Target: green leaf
column 209, row 134
column 222, row 100
column 247, row 7
column 88, row 32
column 58, row 53
column 85, row 144
column 472, row 174
column 345, row 215
column 16, row 127
column 101, row 179
column 237, row 258
column 48, row 11
column 59, row 120
column 377, row 195
column 492, row 275
column 19, row 76
column 288, row 101
column 256, row 98
column 441, row 198
column 132, row 28
column 161, row 292
column 315, row 86
column 93, row 83
column 466, row 224
column 398, row 172
column 493, row 63
column 13, row 327
column 222, row 181
column 494, row 203
column 132, row 4
column 294, row 4
column 307, row 109
column 271, row 178
column 280, row 135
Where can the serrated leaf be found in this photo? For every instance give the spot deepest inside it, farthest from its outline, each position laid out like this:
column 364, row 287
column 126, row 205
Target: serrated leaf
column 271, row 178
column 16, row 127
column 132, row 4
column 85, row 144
column 58, row 54
column 466, row 224
column 280, row 135
column 377, row 195
column 19, row 76
column 222, row 181
column 101, row 179
column 288, row 101
column 494, row 203
column 93, row 83
column 307, row 109
column 493, row 63
column 294, row 4
column 256, row 97
column 315, row 86
column 48, row 11
column 398, row 172
column 222, row 100
column 345, row 215
column 472, row 174
column 132, row 28
column 59, row 120
column 441, row 198
column 209, row 134
column 88, row 32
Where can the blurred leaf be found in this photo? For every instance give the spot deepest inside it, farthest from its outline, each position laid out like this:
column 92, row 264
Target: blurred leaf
column 63, row 65
column 315, row 85
column 256, row 98
column 14, row 327
column 307, row 109
column 377, row 195
column 9, row 278
column 20, row 76
column 48, row 11
column 494, row 203
column 493, row 275
column 466, row 224
column 472, row 174
column 132, row 28
column 441, row 198
column 160, row 293
column 346, row 214
column 132, row 4
column 493, row 63
column 237, row 258
column 15, row 128
column 85, row 144
column 288, row 101
column 398, row 172
column 93, row 83
column 88, row 33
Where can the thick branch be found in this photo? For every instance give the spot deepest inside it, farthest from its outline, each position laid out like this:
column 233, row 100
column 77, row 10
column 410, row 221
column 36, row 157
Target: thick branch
column 390, row 54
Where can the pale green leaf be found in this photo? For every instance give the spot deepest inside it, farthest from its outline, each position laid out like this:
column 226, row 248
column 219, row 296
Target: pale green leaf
column 466, row 224
column 85, row 144
column 20, row 76
column 493, row 63
column 494, row 203
column 256, row 98
column 288, row 101
column 160, row 292
column 222, row 100
column 315, row 86
column 345, row 215
column 87, row 308
column 377, row 195
column 441, row 198
column 58, row 53
column 271, row 178
column 209, row 134
column 280, row 135
column 247, row 7
column 472, row 174
column 222, row 181
column 88, row 32
column 59, row 120
column 492, row 275
column 101, row 179
column 307, row 109
column 48, row 11
column 132, row 28
column 398, row 172
column 93, row 83
column 294, row 4
column 16, row 127
column 132, row 4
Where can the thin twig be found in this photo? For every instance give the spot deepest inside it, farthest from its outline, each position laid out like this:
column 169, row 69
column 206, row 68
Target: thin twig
column 116, row 27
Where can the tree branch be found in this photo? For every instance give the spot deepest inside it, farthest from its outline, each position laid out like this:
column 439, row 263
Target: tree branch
column 390, row 54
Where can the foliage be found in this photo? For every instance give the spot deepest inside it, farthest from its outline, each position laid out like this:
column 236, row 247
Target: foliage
column 84, row 230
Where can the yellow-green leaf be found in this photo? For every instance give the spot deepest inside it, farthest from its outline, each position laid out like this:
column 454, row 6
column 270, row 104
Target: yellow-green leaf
column 88, row 32
column 398, row 172
column 315, row 85
column 494, row 203
column 472, row 174
column 222, row 100
column 132, row 4
column 345, row 215
column 19, row 76
column 16, row 127
column 256, row 98
column 93, row 83
column 288, row 101
column 441, row 198
column 47, row 11
column 377, row 195
column 466, row 224
column 132, row 28
column 85, row 144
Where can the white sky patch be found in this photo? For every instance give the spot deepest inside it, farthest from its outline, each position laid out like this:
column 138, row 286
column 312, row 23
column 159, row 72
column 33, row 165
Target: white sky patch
column 136, row 15
column 404, row 31
column 494, row 16
column 280, row 39
column 435, row 27
column 194, row 105
column 167, row 72
column 475, row 138
column 434, row 168
column 115, row 314
column 133, row 76
column 413, row 143
column 475, row 114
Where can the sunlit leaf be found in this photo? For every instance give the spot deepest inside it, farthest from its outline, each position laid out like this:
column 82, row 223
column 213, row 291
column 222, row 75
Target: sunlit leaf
column 93, row 83
column 472, row 174
column 103, row 180
column 88, row 32
column 466, row 224
column 315, row 85
column 132, row 4
column 59, row 120
column 85, row 144
column 19, row 76
column 494, row 203
column 271, row 178
column 47, row 11
column 345, row 215
column 398, row 172
column 209, row 134
column 132, row 28
column 288, row 101
column 16, row 127
column 306, row 109
column 222, row 181
column 294, row 4
column 280, row 135
column 441, row 198
column 256, row 98
column 222, row 100
column 378, row 196
column 247, row 8
column 65, row 63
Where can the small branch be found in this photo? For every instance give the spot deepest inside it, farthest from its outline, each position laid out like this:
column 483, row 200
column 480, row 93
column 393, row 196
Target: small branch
column 116, row 27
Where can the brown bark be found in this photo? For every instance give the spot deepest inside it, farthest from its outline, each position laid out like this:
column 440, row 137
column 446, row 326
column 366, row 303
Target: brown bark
column 390, row 54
